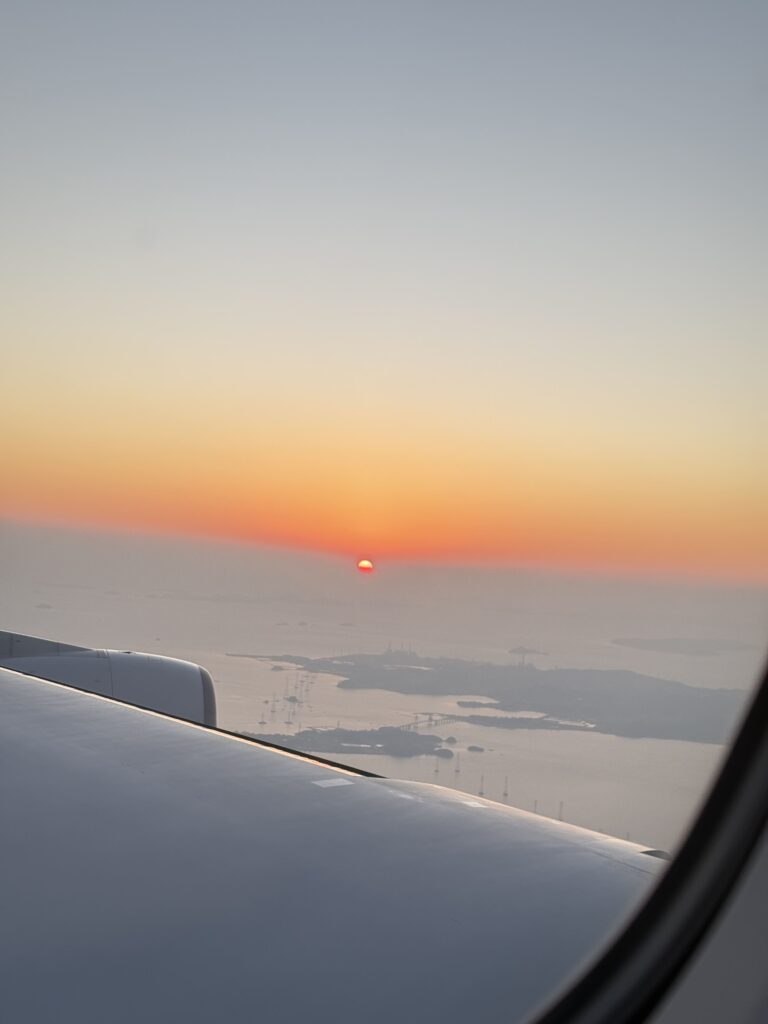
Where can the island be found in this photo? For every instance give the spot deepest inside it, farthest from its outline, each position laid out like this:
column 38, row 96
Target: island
column 523, row 696
column 389, row 740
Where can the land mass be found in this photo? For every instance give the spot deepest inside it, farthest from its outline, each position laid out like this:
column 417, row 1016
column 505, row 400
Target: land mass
column 702, row 647
column 387, row 740
column 613, row 701
column 395, row 741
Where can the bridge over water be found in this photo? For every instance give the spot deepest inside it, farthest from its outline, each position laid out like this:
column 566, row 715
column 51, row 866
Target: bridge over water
column 427, row 722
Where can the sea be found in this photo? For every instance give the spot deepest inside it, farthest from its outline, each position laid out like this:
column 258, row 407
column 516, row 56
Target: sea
column 237, row 609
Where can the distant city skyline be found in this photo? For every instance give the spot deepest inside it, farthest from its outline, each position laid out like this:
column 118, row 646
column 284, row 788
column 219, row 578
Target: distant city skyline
column 439, row 282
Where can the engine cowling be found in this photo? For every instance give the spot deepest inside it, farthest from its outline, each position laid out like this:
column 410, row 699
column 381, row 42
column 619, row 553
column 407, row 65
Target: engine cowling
column 174, row 687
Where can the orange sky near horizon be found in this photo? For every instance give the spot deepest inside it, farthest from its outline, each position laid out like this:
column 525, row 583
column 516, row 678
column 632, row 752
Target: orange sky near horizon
column 458, row 495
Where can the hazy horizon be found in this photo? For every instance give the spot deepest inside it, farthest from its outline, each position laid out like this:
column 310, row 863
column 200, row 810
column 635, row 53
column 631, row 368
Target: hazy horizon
column 206, row 601
column 255, row 572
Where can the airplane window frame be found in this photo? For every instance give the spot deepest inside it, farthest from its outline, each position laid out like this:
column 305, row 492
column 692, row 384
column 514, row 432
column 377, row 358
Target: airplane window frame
column 629, row 980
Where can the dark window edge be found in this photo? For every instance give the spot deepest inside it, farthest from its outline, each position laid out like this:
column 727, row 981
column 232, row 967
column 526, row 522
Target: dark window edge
column 630, row 979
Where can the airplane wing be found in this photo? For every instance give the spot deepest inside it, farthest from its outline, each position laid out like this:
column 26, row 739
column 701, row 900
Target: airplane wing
column 159, row 870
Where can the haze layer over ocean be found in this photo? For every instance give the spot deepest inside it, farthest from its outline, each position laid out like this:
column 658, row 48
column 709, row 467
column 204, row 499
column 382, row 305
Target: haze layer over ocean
column 206, row 600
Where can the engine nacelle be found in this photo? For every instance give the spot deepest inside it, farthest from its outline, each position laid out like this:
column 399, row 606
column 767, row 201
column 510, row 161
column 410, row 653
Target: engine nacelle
column 174, row 687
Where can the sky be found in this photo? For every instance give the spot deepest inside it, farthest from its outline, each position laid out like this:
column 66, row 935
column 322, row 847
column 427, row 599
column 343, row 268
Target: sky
column 455, row 282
